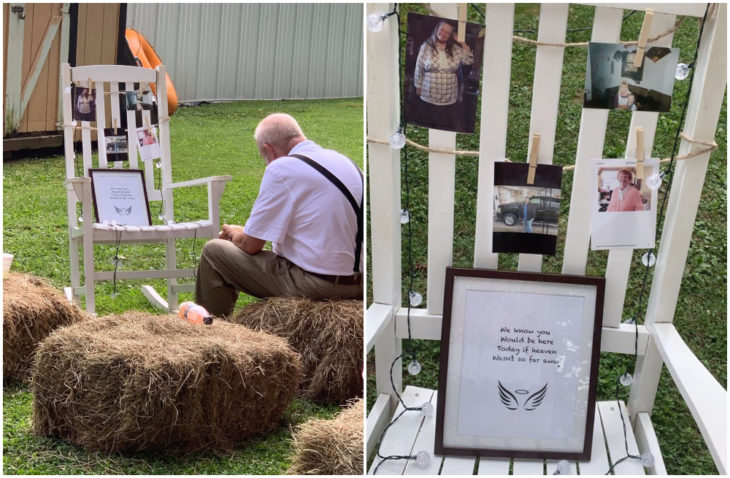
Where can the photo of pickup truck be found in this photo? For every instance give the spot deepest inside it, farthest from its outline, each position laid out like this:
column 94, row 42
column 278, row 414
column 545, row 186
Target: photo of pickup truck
column 545, row 209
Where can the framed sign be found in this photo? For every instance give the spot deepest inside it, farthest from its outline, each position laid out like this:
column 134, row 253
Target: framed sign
column 120, row 195
column 519, row 364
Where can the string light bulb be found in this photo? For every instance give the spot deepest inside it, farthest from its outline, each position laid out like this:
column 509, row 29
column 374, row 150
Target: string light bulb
column 423, row 458
column 681, row 72
column 405, row 216
column 158, row 164
column 648, row 259
column 563, row 468
column 375, row 22
column 81, row 219
column 426, row 410
column 626, row 379
column 647, row 459
column 397, row 140
column 654, row 181
column 414, row 368
column 414, row 298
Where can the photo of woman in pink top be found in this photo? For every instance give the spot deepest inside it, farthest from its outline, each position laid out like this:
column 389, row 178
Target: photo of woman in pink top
column 625, row 197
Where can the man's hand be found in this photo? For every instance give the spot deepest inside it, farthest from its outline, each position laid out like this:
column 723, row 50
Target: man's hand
column 227, row 231
column 236, row 234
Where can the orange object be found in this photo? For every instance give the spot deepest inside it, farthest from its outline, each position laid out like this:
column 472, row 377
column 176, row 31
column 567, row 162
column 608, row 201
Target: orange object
column 142, row 50
column 194, row 313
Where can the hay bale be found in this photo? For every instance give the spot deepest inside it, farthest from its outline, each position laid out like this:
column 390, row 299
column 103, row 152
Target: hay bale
column 330, row 447
column 143, row 382
column 328, row 336
column 32, row 309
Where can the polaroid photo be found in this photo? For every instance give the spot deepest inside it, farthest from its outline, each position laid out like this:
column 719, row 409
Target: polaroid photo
column 442, row 74
column 84, row 103
column 613, row 82
column 139, row 102
column 526, row 215
column 624, row 207
column 116, row 144
column 149, row 147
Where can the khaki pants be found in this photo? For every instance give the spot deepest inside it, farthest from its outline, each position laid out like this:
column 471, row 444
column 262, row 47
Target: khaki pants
column 225, row 270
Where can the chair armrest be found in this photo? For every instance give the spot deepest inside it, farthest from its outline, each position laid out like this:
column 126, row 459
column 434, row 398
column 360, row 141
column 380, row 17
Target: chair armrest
column 705, row 397
column 378, row 418
column 199, row 182
column 377, row 317
column 77, row 185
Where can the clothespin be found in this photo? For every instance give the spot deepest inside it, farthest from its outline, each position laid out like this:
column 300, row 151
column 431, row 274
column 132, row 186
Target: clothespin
column 91, row 85
column 114, row 123
column 643, row 37
column 147, row 123
column 533, row 158
column 639, row 153
column 461, row 32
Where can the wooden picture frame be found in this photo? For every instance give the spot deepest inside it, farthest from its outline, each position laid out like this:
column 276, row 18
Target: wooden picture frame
column 120, row 195
column 519, row 364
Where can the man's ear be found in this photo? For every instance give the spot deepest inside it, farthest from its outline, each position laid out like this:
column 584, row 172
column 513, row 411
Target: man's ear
column 268, row 152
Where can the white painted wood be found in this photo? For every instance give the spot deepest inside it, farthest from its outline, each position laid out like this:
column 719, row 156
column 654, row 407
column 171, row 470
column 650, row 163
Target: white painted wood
column 383, row 117
column 691, row 9
column 377, row 317
column 606, row 28
column 69, row 293
column 13, row 75
column 705, row 397
column 441, row 176
column 119, row 73
column 647, row 441
column 441, row 186
column 703, row 112
column 598, row 464
column 155, row 299
column 493, row 128
column 187, row 288
column 387, row 348
column 39, row 61
column 379, row 417
column 199, row 182
column 493, row 466
column 528, row 467
column 613, row 431
column 546, row 96
column 619, row 260
column 100, row 125
column 551, row 466
column 647, row 372
column 458, row 465
column 425, row 442
column 399, row 438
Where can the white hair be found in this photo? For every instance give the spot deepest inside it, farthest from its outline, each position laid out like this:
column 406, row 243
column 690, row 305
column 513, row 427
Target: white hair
column 277, row 130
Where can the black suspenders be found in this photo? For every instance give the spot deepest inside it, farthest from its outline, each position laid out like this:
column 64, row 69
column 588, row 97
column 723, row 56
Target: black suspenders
column 358, row 208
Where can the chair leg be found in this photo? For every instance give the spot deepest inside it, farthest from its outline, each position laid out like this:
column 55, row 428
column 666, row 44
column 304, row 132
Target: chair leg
column 89, row 273
column 172, row 281
column 74, row 266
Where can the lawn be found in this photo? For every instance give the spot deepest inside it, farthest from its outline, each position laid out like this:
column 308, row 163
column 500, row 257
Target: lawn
column 702, row 305
column 206, row 140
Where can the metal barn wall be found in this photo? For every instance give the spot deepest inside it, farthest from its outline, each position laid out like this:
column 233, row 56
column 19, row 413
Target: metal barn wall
column 219, row 52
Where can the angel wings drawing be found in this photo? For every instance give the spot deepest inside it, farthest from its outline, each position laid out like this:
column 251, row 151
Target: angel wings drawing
column 123, row 211
column 512, row 400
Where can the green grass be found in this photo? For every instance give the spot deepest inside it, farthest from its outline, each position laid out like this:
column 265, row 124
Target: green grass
column 702, row 303
column 206, row 140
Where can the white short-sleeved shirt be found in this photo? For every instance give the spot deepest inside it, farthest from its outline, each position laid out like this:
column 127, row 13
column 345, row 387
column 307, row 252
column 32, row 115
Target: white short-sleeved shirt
column 306, row 217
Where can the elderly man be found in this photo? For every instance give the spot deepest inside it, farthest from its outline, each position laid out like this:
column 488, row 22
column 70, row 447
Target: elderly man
column 310, row 207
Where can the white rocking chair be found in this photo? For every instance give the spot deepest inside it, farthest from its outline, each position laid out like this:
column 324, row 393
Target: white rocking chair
column 659, row 343
column 113, row 81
